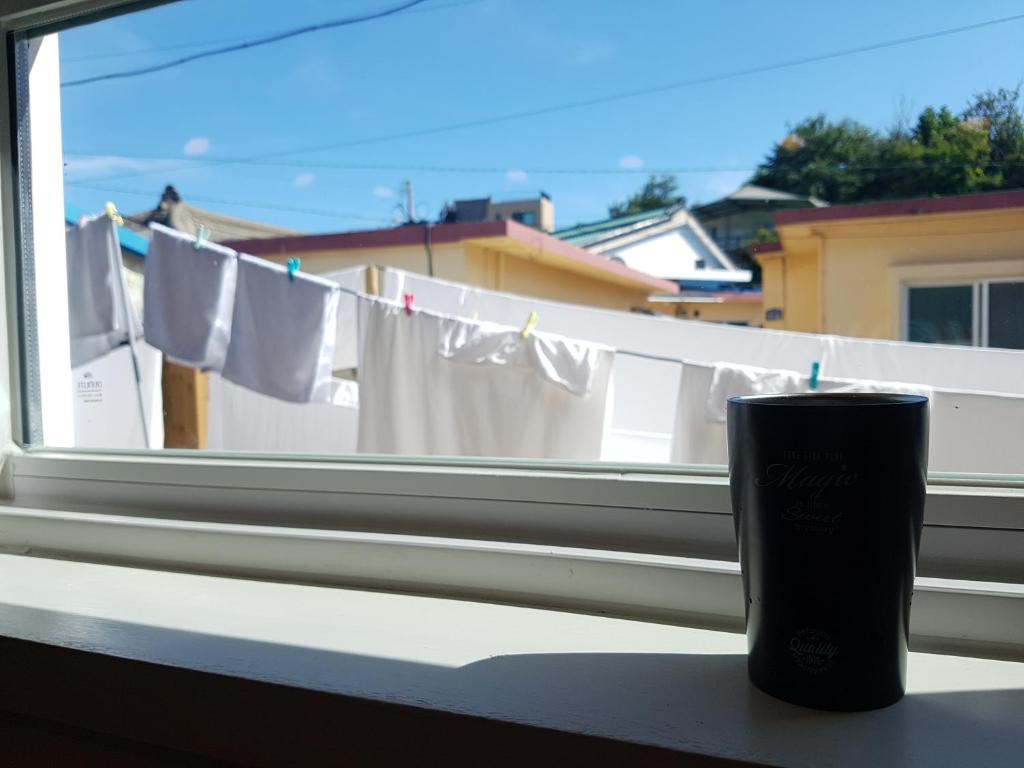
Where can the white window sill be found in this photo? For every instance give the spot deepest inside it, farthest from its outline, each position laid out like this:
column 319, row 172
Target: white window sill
column 674, row 687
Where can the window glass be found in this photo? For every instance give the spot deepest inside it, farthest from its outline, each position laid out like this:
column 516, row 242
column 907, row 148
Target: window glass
column 1006, row 315
column 249, row 230
column 941, row 314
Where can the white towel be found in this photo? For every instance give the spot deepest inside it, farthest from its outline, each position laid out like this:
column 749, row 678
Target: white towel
column 434, row 385
column 99, row 312
column 733, row 380
column 282, row 333
column 189, row 294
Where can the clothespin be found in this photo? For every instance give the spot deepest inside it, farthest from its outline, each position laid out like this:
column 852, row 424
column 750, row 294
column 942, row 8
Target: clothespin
column 293, row 267
column 531, row 323
column 815, row 370
column 409, row 298
column 113, row 214
column 202, row 233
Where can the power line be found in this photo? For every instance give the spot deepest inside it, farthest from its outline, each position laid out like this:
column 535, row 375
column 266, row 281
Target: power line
column 621, row 95
column 225, row 40
column 319, row 165
column 404, row 168
column 255, row 43
column 244, row 204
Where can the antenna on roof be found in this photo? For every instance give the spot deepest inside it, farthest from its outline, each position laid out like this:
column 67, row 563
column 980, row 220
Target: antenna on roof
column 410, row 203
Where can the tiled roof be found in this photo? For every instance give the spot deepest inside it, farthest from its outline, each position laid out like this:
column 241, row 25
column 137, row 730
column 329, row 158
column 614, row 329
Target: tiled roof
column 173, row 212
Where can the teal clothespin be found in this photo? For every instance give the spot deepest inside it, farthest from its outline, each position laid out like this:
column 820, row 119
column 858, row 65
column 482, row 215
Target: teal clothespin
column 815, row 370
column 202, row 234
column 293, row 267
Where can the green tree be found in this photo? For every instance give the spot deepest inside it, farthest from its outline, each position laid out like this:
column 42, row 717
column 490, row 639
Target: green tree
column 942, row 153
column 833, row 161
column 657, row 192
column 998, row 113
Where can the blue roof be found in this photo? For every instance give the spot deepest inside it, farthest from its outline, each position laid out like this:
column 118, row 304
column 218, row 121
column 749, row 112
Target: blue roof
column 128, row 240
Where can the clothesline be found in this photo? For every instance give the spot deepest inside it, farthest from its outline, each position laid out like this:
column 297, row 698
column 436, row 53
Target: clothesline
column 627, row 352
column 529, row 325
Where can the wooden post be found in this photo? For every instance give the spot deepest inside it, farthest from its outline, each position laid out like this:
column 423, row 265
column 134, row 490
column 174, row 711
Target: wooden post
column 186, row 394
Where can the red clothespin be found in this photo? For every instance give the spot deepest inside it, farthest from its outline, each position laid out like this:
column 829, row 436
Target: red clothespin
column 409, row 298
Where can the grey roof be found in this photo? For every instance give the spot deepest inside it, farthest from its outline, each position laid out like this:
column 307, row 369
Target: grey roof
column 754, row 197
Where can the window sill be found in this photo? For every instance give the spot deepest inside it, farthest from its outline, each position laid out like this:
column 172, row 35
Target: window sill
column 671, row 687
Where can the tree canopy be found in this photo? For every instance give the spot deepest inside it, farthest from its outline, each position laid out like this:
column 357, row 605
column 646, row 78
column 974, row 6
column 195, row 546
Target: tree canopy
column 942, row 153
column 657, row 192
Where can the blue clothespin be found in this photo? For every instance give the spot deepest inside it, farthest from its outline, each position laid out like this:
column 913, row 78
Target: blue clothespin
column 815, row 370
column 293, row 267
column 202, row 233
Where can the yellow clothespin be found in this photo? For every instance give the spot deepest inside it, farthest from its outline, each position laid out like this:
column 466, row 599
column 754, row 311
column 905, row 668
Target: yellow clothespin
column 531, row 323
column 113, row 214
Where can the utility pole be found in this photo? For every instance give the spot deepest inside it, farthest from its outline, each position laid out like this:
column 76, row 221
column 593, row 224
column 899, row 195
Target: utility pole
column 410, row 203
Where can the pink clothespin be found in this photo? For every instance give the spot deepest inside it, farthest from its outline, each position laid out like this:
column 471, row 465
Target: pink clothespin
column 409, row 298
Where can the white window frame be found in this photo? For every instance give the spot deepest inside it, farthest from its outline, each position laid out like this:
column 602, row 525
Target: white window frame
column 979, row 303
column 584, row 523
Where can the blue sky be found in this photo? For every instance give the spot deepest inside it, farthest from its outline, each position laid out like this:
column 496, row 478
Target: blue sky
column 447, row 61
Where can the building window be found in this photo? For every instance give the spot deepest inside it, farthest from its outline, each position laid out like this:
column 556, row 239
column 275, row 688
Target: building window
column 529, row 218
column 985, row 313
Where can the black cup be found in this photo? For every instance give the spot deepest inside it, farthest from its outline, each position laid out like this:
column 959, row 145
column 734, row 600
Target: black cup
column 828, row 502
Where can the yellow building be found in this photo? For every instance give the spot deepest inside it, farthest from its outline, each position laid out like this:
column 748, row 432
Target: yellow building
column 499, row 256
column 947, row 270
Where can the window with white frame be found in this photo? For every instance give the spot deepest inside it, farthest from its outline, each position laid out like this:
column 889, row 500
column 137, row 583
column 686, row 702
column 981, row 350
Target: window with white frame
column 987, row 313
column 276, row 245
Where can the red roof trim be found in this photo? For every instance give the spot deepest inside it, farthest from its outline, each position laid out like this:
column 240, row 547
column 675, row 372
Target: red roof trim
column 446, row 233
column 765, row 247
column 914, row 207
column 371, row 238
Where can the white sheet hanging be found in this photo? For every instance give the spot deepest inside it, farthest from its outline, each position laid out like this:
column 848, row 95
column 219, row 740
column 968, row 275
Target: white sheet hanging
column 99, row 312
column 189, row 295
column 696, row 439
column 243, row 420
column 968, row 432
column 433, row 385
column 731, row 380
column 282, row 333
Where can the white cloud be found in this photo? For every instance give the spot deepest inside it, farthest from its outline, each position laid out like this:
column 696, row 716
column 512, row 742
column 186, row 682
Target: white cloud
column 197, row 145
column 517, row 176
column 383, row 192
column 304, row 180
column 631, row 162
